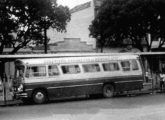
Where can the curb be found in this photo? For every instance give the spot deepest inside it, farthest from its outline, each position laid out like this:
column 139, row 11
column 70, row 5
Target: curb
column 8, row 103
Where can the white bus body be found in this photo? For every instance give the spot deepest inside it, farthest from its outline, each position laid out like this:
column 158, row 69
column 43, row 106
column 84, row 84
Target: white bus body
column 44, row 79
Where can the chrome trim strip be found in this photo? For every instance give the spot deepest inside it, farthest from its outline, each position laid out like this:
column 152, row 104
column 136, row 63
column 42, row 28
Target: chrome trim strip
column 74, row 86
column 129, row 81
column 22, row 95
column 28, row 89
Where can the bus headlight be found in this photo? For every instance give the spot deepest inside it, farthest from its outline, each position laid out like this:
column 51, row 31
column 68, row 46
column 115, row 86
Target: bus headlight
column 20, row 88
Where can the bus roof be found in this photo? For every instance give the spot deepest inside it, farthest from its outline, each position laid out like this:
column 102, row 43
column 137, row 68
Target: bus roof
column 58, row 55
column 26, row 56
column 85, row 59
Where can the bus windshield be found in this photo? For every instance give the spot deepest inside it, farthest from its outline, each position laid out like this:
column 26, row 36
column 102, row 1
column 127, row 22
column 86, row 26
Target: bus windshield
column 19, row 71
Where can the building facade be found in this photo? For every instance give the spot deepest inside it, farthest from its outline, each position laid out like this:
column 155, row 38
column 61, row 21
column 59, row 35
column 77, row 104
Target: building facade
column 77, row 32
column 77, row 36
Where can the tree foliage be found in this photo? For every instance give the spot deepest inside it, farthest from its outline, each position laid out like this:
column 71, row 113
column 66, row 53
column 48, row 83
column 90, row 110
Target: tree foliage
column 130, row 19
column 28, row 20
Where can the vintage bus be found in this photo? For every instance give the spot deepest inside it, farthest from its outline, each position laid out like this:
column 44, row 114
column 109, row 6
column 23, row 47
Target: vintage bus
column 42, row 79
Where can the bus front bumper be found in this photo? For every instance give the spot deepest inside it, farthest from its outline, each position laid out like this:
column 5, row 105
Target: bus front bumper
column 21, row 95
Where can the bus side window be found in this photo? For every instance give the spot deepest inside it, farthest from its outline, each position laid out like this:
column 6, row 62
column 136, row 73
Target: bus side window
column 36, row 71
column 126, row 65
column 135, row 65
column 28, row 72
column 91, row 67
column 53, row 70
column 70, row 69
column 110, row 66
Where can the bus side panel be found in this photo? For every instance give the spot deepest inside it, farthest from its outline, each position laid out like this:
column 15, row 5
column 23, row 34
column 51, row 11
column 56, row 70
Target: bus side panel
column 66, row 89
column 125, row 83
column 75, row 90
column 128, row 86
column 94, row 86
column 85, row 87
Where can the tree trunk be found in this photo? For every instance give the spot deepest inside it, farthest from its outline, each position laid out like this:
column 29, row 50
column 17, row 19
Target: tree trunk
column 102, row 43
column 15, row 50
column 1, row 48
column 45, row 40
column 101, row 49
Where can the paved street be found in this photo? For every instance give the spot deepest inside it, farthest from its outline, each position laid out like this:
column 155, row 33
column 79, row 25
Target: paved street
column 142, row 107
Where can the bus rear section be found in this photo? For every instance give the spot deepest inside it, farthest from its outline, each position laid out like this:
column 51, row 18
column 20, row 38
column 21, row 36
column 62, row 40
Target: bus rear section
column 52, row 78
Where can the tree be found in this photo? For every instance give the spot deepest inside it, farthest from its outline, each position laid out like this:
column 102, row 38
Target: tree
column 51, row 15
column 130, row 19
column 6, row 22
column 29, row 21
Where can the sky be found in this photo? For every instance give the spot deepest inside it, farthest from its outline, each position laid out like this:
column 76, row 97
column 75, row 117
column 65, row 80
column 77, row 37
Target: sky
column 71, row 3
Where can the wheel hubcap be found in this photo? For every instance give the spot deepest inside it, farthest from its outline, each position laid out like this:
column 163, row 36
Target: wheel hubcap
column 39, row 96
column 108, row 91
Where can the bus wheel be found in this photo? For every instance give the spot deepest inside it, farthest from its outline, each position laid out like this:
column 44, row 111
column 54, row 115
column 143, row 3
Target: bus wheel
column 108, row 91
column 39, row 96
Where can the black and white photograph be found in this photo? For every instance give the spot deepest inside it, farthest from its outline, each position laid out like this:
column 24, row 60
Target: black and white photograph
column 82, row 59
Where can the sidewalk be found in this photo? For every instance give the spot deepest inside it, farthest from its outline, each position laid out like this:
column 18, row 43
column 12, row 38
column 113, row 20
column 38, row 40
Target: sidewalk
column 13, row 102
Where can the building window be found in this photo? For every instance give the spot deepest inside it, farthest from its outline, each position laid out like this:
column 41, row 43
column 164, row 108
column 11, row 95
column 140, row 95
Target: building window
column 36, row 71
column 91, row 68
column 53, row 70
column 110, row 66
column 125, row 65
column 70, row 69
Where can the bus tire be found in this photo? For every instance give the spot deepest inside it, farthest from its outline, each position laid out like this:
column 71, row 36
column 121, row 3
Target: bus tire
column 39, row 96
column 108, row 91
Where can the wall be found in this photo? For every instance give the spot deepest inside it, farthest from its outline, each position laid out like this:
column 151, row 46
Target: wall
column 77, row 28
column 72, row 45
